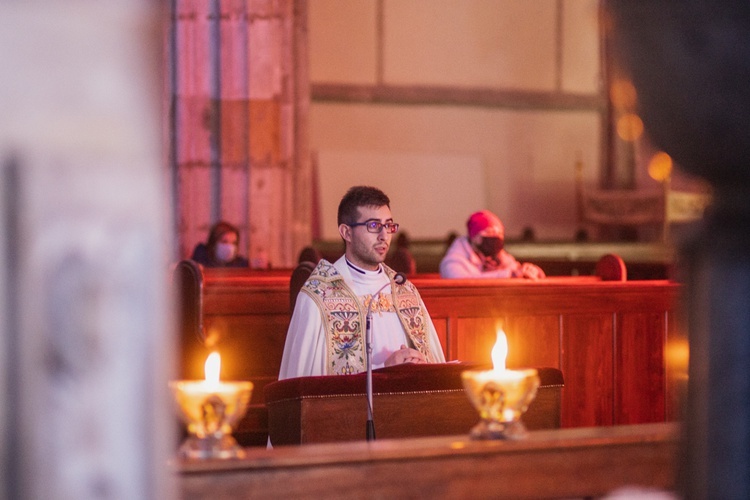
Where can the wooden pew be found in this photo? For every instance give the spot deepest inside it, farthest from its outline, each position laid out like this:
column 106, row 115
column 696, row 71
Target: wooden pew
column 609, row 339
column 645, row 260
column 568, row 463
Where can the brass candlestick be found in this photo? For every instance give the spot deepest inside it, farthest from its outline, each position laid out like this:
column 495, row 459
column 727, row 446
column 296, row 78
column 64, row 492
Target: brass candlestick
column 500, row 397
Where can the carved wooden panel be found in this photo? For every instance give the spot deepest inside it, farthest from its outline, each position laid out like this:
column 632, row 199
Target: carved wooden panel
column 639, row 368
column 533, row 341
column 588, row 370
column 441, row 327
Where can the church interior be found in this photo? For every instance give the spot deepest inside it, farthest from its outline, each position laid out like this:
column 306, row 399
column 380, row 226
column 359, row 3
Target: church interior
column 608, row 135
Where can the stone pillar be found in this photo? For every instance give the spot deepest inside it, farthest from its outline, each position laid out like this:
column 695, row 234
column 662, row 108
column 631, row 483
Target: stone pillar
column 690, row 60
column 241, row 97
column 85, row 344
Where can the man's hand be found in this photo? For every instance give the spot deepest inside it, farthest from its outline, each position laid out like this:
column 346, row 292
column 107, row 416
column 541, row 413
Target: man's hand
column 405, row 355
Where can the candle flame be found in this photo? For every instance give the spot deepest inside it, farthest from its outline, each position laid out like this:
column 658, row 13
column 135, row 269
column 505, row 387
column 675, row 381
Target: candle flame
column 500, row 351
column 212, row 368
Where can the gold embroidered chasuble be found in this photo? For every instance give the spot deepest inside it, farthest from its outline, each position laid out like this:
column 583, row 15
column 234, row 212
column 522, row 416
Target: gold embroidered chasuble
column 344, row 317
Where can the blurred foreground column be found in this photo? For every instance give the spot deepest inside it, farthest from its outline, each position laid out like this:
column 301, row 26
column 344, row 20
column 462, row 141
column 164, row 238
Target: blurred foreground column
column 690, row 63
column 85, row 346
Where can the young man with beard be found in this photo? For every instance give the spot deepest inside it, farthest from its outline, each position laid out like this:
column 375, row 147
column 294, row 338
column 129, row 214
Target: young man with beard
column 326, row 335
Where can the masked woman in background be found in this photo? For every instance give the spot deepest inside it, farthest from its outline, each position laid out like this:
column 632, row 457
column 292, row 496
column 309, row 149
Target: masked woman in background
column 480, row 254
column 221, row 249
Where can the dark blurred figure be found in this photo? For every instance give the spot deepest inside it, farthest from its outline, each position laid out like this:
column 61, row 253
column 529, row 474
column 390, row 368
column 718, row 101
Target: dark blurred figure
column 221, row 249
column 402, row 260
column 450, row 239
column 309, row 254
column 687, row 60
column 306, row 262
column 581, row 236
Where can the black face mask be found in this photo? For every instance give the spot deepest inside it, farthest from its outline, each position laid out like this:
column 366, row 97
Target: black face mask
column 491, row 245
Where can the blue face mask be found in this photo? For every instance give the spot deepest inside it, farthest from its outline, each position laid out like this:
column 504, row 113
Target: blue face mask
column 491, row 245
column 225, row 252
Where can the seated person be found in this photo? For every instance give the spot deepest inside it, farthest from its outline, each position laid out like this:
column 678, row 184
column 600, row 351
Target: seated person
column 221, row 248
column 401, row 259
column 481, row 253
column 326, row 335
column 309, row 254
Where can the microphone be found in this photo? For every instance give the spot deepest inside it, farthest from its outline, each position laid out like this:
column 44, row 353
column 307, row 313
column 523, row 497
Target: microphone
column 399, row 279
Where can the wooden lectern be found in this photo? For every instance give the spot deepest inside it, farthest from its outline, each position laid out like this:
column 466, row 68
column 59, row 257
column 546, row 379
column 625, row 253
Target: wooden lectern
column 408, row 401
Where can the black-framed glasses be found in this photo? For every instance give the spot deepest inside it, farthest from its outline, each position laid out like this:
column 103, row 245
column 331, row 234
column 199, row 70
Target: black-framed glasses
column 375, row 226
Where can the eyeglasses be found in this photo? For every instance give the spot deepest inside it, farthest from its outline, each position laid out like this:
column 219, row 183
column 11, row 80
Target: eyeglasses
column 375, row 226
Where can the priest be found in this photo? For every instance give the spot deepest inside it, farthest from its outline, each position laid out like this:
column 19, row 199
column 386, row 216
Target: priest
column 326, row 335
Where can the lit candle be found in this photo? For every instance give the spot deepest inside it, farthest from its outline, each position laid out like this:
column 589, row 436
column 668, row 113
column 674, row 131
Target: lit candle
column 212, row 385
column 211, row 408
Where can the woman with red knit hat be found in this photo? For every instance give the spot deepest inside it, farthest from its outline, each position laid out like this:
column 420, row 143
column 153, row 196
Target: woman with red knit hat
column 481, row 253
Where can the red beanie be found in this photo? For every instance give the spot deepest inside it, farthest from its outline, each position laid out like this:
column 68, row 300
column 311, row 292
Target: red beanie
column 479, row 221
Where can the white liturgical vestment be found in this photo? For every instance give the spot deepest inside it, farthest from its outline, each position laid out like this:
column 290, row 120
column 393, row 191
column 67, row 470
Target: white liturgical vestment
column 307, row 349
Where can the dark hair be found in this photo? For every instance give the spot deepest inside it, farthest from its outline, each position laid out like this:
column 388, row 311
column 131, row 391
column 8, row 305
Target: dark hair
column 360, row 196
column 217, row 231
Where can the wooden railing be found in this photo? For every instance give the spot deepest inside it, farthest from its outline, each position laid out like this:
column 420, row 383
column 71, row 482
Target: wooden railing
column 609, row 339
column 567, row 463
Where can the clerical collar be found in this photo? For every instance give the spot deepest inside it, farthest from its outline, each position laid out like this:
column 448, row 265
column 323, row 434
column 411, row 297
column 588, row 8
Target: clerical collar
column 363, row 271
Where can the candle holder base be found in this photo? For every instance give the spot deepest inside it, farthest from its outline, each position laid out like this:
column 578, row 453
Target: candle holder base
column 491, row 429
column 210, row 411
column 500, row 397
column 218, row 447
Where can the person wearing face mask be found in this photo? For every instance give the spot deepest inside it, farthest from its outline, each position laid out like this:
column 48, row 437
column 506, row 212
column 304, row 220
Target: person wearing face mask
column 221, row 249
column 481, row 253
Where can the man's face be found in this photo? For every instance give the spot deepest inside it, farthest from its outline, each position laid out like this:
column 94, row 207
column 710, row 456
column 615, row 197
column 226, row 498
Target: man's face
column 364, row 249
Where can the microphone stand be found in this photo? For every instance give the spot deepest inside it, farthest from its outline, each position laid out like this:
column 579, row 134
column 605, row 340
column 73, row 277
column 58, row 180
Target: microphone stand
column 399, row 279
column 370, row 430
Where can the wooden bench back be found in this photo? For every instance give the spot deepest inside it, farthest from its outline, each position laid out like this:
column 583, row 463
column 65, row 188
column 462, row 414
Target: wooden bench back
column 608, row 338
